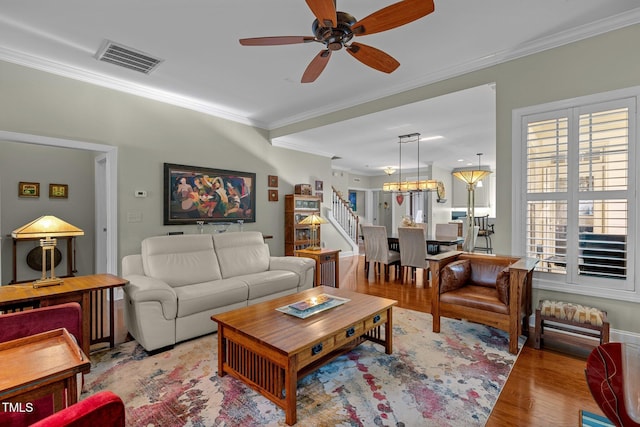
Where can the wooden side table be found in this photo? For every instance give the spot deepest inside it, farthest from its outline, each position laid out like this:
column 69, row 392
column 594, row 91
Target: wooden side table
column 41, row 365
column 327, row 265
column 89, row 291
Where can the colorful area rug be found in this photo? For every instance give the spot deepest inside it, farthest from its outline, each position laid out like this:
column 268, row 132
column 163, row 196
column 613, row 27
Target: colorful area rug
column 447, row 379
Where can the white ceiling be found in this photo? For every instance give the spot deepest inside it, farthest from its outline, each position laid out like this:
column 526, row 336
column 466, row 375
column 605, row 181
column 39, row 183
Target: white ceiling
column 206, row 69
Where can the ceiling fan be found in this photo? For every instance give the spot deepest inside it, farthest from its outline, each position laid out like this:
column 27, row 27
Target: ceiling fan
column 335, row 30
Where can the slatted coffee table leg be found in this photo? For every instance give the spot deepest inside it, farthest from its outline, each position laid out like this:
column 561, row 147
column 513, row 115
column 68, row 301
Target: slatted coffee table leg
column 291, row 388
column 222, row 351
column 388, row 333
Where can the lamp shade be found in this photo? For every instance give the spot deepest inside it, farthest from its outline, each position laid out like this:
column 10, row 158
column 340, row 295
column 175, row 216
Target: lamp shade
column 471, row 176
column 46, row 226
column 313, row 219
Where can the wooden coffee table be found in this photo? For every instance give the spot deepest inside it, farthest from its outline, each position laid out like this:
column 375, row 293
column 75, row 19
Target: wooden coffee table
column 269, row 350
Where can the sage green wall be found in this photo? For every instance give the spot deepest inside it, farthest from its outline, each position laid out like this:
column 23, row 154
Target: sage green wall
column 147, row 134
column 606, row 62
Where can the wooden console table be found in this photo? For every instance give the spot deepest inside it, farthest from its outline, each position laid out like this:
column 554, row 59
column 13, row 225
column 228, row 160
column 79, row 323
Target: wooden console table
column 327, row 265
column 41, row 365
column 88, row 291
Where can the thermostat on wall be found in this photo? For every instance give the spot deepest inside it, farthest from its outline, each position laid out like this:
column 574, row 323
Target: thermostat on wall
column 140, row 193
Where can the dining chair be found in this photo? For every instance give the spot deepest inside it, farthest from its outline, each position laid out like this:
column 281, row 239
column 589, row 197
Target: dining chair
column 413, row 252
column 484, row 230
column 376, row 249
column 470, row 240
column 447, row 230
column 422, row 225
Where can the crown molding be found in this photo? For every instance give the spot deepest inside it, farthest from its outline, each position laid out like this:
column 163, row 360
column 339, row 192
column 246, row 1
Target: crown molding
column 290, row 145
column 545, row 43
column 540, row 45
column 121, row 85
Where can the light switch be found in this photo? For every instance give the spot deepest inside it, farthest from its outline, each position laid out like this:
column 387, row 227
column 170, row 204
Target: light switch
column 134, row 216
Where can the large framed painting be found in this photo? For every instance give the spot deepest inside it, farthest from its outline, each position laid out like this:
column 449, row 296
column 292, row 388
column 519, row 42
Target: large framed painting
column 193, row 194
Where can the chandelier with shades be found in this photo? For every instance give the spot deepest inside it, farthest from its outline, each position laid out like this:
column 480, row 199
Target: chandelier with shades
column 407, row 186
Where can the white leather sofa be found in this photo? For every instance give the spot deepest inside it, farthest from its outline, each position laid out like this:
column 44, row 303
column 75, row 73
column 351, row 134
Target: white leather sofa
column 178, row 282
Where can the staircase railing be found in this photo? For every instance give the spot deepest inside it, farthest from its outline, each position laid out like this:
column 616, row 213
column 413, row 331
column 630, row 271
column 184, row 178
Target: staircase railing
column 344, row 215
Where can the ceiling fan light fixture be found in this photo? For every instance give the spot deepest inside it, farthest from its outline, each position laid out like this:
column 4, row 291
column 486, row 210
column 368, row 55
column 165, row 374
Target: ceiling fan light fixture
column 335, row 29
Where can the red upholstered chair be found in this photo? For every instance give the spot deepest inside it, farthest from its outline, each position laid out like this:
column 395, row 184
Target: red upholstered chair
column 605, row 372
column 30, row 322
column 101, row 409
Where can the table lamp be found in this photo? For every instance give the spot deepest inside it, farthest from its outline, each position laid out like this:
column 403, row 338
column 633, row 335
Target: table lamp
column 314, row 221
column 47, row 228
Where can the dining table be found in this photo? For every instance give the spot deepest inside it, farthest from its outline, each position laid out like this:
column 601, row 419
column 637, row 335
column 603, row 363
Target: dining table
column 433, row 242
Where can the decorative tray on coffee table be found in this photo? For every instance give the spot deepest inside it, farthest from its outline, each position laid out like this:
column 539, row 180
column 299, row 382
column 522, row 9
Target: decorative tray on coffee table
column 313, row 305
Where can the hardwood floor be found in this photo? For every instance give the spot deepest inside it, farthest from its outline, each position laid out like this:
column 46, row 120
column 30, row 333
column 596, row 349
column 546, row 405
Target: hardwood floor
column 545, row 388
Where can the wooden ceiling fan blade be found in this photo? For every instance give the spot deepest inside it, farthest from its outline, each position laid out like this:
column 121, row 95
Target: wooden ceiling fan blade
column 372, row 57
column 316, row 66
column 275, row 41
column 325, row 12
column 393, row 16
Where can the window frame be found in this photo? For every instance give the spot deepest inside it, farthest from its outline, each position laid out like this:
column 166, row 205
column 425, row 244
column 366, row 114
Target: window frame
column 571, row 109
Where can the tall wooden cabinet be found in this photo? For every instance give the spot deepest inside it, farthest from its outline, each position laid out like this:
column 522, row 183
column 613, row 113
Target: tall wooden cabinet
column 296, row 208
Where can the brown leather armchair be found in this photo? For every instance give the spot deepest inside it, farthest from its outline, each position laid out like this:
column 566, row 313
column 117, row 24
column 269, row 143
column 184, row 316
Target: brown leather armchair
column 490, row 289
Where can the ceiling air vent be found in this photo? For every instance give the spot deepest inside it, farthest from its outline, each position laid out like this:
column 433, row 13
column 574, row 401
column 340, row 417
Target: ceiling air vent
column 127, row 57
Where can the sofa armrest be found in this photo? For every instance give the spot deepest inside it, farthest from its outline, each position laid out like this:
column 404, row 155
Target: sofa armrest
column 296, row 264
column 147, row 289
column 303, row 267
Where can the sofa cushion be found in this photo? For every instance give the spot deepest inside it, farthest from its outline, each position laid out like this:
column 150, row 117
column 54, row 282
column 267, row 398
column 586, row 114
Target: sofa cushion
column 455, row 275
column 473, row 296
column 485, row 274
column 180, row 260
column 269, row 282
column 241, row 253
column 210, row 295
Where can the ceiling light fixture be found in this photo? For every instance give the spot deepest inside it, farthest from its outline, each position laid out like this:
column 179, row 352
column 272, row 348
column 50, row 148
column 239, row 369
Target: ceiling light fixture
column 410, row 186
column 389, row 170
column 431, row 138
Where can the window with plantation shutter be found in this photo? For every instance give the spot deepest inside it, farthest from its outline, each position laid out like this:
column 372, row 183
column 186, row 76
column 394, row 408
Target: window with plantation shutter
column 578, row 207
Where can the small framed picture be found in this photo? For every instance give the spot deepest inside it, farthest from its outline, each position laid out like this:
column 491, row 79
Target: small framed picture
column 58, row 191
column 29, row 189
column 273, row 195
column 318, row 185
column 273, row 180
